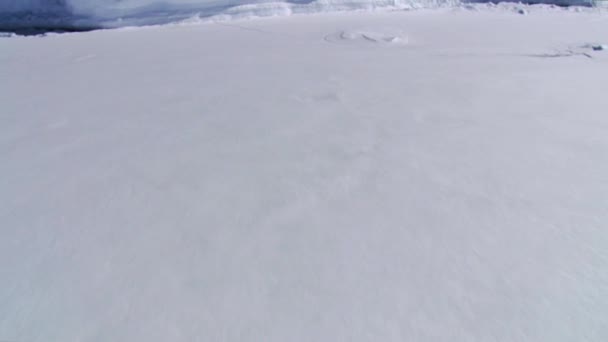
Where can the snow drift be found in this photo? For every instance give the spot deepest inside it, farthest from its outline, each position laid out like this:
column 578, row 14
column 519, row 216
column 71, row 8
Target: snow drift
column 88, row 14
column 115, row 13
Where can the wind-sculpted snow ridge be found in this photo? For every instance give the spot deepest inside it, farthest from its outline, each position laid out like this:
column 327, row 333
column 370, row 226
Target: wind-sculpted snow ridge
column 35, row 16
column 70, row 15
column 269, row 9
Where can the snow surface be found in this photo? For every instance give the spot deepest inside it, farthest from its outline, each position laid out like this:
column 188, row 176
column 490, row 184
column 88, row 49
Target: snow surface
column 33, row 16
column 85, row 15
column 408, row 176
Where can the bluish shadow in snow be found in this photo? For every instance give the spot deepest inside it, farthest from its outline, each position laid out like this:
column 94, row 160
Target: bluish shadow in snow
column 35, row 16
column 39, row 16
column 28, row 17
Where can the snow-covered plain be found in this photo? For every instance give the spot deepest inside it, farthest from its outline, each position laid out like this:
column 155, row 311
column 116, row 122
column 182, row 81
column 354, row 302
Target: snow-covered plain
column 408, row 176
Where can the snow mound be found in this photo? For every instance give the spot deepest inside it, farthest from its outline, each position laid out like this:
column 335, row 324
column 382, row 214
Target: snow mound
column 69, row 15
column 73, row 15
